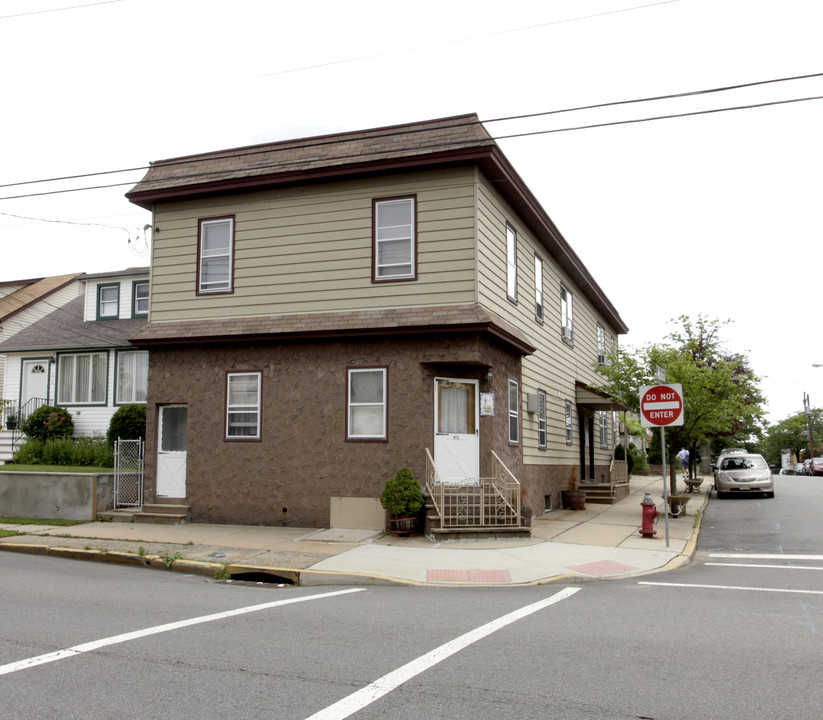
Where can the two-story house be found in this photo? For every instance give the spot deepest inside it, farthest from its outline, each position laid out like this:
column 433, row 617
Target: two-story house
column 78, row 356
column 326, row 310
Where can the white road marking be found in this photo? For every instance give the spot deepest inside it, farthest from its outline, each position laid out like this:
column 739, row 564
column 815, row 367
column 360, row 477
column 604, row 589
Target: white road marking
column 125, row 637
column 734, row 587
column 777, row 567
column 384, row 685
column 765, row 556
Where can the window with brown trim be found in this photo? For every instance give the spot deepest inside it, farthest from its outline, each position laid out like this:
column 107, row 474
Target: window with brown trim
column 394, row 247
column 366, row 412
column 215, row 256
column 243, row 406
column 511, row 263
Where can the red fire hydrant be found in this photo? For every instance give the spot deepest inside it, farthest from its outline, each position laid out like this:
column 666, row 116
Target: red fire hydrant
column 649, row 515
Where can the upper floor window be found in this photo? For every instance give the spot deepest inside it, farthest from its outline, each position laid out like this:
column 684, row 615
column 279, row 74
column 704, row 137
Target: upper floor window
column 81, row 378
column 538, row 288
column 541, row 419
column 566, row 315
column 215, row 256
column 132, row 376
column 511, row 263
column 601, row 345
column 243, row 406
column 140, row 299
column 395, row 244
column 514, row 412
column 108, row 301
column 366, row 417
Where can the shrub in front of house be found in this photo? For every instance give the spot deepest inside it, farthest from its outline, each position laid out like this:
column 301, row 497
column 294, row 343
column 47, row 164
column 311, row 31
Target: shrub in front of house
column 128, row 423
column 47, row 423
column 83, row 451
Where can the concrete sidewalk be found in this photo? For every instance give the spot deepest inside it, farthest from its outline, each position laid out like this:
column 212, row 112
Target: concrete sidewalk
column 601, row 541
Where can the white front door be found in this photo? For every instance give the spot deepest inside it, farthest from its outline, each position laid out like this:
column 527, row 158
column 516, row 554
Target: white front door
column 171, row 451
column 35, row 382
column 456, row 434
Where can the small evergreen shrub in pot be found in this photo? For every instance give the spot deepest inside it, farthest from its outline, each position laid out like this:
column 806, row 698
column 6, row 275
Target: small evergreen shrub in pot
column 48, row 422
column 403, row 498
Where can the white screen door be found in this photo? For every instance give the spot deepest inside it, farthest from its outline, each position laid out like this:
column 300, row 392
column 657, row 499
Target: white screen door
column 171, row 451
column 456, row 436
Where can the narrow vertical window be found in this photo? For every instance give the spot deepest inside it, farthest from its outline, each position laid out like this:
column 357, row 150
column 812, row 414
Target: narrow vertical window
column 604, row 429
column 140, row 299
column 514, row 412
column 601, row 345
column 108, row 301
column 541, row 419
column 511, row 263
column 569, row 437
column 367, row 404
column 243, row 406
column 566, row 315
column 216, row 256
column 538, row 288
column 394, row 239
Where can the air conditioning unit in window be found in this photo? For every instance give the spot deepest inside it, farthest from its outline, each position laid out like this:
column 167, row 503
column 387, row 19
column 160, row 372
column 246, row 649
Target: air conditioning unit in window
column 532, row 402
column 601, row 359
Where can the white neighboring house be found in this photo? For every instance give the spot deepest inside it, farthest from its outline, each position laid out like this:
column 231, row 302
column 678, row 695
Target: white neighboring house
column 79, row 356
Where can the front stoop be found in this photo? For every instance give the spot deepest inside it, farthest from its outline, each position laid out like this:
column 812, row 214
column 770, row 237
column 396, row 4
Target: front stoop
column 604, row 493
column 434, row 531
column 158, row 513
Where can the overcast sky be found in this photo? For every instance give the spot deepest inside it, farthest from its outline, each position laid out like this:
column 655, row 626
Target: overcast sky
column 714, row 213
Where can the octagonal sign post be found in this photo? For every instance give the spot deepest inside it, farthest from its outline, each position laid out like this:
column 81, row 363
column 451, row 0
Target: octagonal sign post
column 661, row 405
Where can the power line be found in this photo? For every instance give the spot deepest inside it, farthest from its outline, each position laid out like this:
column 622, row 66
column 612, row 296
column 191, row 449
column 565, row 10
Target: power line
column 52, row 10
column 331, row 141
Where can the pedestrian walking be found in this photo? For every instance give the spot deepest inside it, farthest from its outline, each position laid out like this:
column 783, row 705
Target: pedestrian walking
column 683, row 455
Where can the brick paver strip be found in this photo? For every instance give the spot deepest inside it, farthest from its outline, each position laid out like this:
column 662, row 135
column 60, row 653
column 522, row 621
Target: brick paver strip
column 468, row 576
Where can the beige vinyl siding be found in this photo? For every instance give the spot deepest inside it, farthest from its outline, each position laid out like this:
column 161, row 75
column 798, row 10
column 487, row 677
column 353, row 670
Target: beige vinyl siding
column 309, row 249
column 555, row 366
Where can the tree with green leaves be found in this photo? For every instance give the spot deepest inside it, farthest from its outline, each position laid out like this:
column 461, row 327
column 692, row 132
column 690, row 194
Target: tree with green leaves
column 791, row 434
column 721, row 394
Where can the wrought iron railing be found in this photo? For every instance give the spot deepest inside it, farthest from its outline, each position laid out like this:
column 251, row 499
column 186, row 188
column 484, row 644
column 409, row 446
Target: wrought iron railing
column 18, row 417
column 477, row 502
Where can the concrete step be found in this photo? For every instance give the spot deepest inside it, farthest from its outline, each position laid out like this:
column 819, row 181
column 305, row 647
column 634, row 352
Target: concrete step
column 158, row 513
column 480, row 533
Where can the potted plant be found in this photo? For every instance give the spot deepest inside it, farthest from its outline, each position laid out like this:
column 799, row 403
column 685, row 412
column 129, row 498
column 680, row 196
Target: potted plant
column 403, row 498
column 11, row 418
column 573, row 497
column 525, row 509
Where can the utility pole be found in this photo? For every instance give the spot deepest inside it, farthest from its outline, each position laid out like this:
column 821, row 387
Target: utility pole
column 807, row 406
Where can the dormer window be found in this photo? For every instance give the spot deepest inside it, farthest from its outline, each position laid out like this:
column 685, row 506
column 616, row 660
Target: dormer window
column 140, row 299
column 108, row 301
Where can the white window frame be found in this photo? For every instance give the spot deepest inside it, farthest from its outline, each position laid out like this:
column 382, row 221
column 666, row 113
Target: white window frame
column 385, row 234
column 511, row 263
column 95, row 394
column 234, row 407
column 604, row 429
column 542, row 435
column 566, row 315
column 220, row 255
column 130, row 362
column 601, row 345
column 514, row 412
column 569, row 423
column 353, row 406
column 538, row 288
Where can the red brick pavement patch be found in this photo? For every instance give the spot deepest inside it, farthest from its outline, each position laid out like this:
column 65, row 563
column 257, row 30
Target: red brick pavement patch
column 468, row 576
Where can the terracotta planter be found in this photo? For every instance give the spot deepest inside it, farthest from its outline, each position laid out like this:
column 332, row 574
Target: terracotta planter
column 574, row 499
column 402, row 526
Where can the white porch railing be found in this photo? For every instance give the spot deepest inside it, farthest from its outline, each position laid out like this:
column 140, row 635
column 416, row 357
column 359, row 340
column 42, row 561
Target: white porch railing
column 479, row 502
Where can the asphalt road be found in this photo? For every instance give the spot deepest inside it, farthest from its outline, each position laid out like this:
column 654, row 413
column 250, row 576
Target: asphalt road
column 722, row 637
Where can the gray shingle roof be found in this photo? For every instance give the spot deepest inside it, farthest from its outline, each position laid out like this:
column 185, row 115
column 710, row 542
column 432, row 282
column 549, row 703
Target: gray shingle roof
column 64, row 329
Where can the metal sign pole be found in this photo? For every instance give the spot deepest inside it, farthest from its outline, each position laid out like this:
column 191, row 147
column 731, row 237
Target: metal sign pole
column 665, row 484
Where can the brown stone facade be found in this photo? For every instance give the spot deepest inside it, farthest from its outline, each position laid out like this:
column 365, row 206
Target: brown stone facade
column 304, row 458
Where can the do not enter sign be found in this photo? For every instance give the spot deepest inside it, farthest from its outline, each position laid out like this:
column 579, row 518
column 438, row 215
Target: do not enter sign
column 661, row 405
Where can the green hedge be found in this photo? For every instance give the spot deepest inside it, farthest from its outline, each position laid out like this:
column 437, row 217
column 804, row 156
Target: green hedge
column 84, row 451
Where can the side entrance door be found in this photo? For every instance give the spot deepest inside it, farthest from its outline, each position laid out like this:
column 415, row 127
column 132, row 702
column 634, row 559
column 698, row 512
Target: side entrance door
column 456, row 433
column 172, row 430
column 35, row 383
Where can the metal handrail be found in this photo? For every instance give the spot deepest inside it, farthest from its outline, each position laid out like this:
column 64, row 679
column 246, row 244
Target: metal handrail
column 26, row 409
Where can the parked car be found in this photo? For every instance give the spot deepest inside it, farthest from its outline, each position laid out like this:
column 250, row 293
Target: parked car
column 807, row 467
column 798, row 469
column 816, row 466
column 738, row 473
